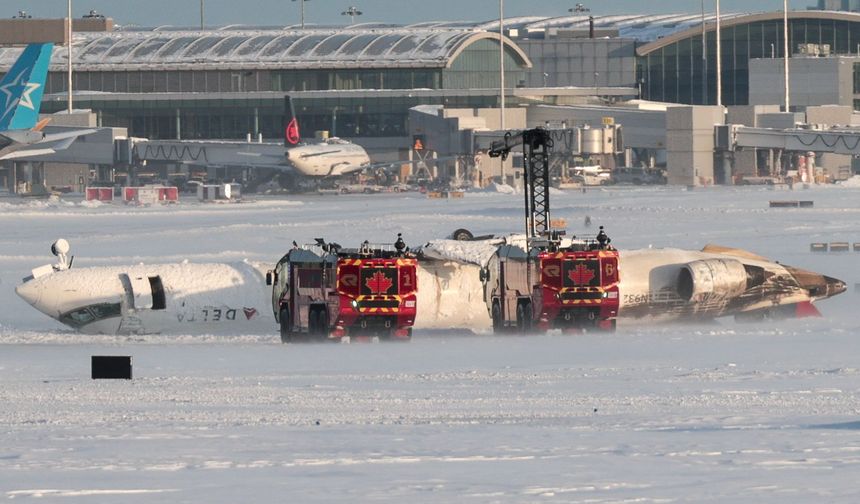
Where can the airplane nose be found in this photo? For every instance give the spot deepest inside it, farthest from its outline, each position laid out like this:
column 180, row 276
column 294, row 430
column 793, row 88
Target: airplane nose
column 819, row 286
column 834, row 286
column 29, row 293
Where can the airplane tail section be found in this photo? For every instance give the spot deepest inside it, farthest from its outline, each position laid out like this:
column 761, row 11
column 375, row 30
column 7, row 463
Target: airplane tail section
column 22, row 87
column 291, row 123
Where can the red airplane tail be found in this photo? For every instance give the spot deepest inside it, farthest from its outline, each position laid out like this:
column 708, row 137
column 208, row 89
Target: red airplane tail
column 292, row 136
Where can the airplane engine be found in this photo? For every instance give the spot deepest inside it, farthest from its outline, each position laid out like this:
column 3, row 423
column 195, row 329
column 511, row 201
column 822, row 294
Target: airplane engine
column 720, row 278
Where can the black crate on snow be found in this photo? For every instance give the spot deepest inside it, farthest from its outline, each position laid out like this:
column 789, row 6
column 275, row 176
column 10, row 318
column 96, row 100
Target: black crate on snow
column 111, row 367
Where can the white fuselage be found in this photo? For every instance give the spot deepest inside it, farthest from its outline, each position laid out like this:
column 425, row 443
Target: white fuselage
column 197, row 299
column 233, row 298
column 332, row 158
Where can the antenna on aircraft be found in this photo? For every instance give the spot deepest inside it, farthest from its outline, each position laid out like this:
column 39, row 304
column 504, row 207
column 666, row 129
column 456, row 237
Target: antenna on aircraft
column 61, row 249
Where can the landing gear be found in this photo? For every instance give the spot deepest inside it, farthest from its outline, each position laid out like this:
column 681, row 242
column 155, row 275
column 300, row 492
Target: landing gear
column 462, row 235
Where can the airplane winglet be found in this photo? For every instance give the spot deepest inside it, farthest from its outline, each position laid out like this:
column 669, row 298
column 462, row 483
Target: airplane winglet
column 41, row 124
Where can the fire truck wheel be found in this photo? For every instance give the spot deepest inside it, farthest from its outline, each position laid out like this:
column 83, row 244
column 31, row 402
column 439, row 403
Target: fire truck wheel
column 524, row 317
column 318, row 323
column 607, row 325
column 498, row 324
column 286, row 332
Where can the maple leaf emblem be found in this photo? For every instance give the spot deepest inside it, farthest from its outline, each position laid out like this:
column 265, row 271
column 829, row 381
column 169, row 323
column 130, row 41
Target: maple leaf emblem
column 379, row 283
column 581, row 275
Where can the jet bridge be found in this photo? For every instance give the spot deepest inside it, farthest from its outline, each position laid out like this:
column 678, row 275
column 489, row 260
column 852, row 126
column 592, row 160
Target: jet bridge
column 836, row 141
column 203, row 152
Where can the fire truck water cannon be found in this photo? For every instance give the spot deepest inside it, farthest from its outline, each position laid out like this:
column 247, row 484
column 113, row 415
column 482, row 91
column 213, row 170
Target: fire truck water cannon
column 324, row 292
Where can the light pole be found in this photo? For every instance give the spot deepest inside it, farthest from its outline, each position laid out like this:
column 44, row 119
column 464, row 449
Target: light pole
column 719, row 61
column 785, row 51
column 69, row 44
column 303, row 11
column 202, row 17
column 704, row 57
column 352, row 11
column 502, row 76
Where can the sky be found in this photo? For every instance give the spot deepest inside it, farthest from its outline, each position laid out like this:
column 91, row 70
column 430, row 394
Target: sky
column 283, row 12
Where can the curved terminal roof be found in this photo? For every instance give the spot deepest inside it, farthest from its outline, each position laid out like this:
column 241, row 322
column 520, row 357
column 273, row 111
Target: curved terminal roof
column 745, row 19
column 431, row 44
column 359, row 46
column 642, row 27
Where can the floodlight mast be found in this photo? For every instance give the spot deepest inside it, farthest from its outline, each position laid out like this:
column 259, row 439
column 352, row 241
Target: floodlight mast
column 69, row 54
column 352, row 11
column 302, row 2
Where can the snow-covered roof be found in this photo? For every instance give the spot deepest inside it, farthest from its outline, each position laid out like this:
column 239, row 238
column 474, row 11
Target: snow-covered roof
column 430, row 44
column 359, row 46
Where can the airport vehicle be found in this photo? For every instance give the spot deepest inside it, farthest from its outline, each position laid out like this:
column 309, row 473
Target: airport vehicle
column 637, row 175
column 323, row 292
column 592, row 175
column 551, row 282
column 21, row 131
column 559, row 284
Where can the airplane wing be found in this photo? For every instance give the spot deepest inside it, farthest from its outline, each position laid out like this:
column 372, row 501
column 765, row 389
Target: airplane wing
column 50, row 143
column 399, row 162
column 67, row 135
column 28, row 153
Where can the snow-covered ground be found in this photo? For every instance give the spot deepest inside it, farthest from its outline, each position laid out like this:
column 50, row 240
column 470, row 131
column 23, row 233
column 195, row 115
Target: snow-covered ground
column 718, row 413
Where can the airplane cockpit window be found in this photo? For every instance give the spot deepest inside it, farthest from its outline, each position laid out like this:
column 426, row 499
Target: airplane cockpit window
column 78, row 318
column 92, row 313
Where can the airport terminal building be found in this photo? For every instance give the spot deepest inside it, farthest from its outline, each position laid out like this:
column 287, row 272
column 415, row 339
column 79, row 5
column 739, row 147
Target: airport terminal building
column 359, row 81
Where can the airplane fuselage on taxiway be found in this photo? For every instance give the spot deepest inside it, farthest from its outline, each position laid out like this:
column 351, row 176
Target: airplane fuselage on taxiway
column 661, row 285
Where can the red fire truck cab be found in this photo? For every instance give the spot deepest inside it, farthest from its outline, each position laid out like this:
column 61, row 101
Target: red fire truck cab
column 323, row 292
column 577, row 289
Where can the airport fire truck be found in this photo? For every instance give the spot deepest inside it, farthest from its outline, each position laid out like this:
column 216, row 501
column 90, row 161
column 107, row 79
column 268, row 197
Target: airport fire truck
column 551, row 282
column 324, row 292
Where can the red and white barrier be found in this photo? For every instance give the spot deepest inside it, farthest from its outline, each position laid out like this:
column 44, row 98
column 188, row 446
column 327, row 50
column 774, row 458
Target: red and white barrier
column 150, row 195
column 99, row 193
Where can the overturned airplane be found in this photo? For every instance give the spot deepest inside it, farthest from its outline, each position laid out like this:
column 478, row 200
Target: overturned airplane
column 657, row 285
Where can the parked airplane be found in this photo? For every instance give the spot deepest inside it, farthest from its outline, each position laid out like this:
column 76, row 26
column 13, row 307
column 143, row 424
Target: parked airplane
column 330, row 158
column 333, row 157
column 21, row 92
column 660, row 285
